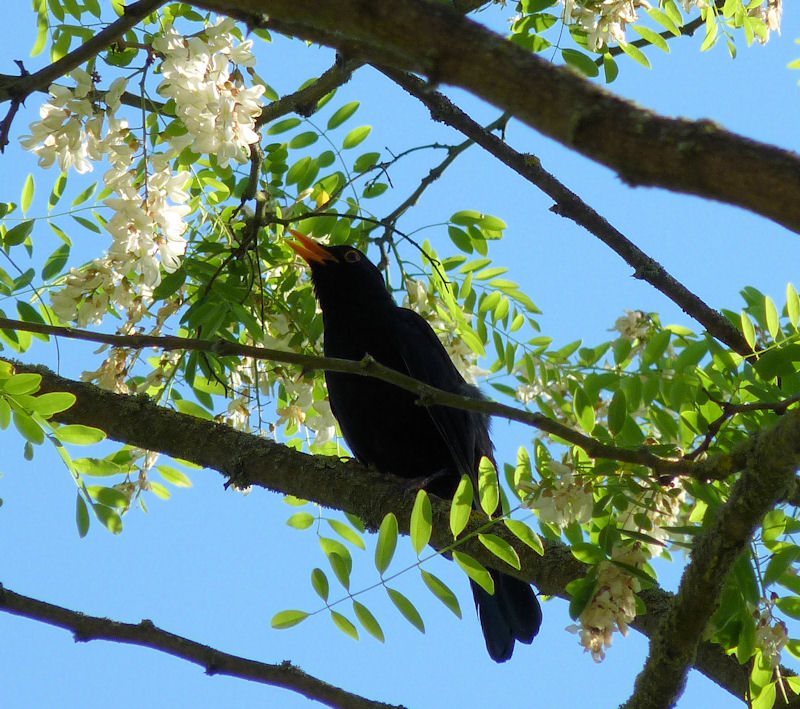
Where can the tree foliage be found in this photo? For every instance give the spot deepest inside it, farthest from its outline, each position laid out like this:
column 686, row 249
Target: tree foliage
column 661, row 439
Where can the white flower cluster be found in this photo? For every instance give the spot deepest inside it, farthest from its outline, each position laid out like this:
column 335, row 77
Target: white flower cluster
column 148, row 224
column 771, row 14
column 71, row 124
column 602, row 20
column 771, row 635
column 662, row 510
column 605, row 21
column 420, row 300
column 634, row 325
column 613, row 605
column 218, row 112
column 560, row 499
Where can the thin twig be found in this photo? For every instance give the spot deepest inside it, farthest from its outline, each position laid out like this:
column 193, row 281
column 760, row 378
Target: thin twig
column 570, row 205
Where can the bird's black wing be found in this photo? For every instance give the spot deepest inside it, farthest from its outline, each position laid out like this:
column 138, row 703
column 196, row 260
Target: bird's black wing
column 465, row 433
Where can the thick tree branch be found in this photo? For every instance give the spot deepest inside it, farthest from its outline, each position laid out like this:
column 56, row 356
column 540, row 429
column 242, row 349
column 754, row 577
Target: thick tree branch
column 250, row 460
column 695, row 157
column 570, row 205
column 772, row 459
column 214, row 662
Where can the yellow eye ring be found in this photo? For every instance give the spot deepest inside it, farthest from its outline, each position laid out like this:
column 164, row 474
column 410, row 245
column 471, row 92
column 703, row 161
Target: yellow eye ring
column 352, row 256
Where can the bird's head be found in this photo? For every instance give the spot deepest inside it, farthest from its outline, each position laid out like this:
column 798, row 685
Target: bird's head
column 342, row 275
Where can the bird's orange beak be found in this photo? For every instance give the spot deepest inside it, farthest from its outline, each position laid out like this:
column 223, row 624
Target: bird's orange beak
column 309, row 249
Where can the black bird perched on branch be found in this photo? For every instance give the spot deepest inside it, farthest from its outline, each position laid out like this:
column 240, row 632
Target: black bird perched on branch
column 386, row 429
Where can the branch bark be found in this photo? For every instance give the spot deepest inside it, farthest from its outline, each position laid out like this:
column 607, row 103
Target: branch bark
column 250, row 460
column 695, row 157
column 213, row 661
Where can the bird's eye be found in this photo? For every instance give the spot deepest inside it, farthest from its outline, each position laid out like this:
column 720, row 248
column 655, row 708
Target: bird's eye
column 352, row 256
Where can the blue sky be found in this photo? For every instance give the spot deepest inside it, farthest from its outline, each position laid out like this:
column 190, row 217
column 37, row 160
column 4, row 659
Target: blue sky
column 215, row 565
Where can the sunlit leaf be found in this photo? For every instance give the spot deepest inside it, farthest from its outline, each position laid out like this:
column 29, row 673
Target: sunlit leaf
column 407, row 608
column 387, row 543
column 442, row 591
column 421, row 522
column 286, row 619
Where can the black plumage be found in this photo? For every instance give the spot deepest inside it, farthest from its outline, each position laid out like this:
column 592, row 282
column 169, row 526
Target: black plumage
column 387, row 430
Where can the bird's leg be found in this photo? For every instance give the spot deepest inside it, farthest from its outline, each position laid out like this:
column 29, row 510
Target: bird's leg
column 414, row 484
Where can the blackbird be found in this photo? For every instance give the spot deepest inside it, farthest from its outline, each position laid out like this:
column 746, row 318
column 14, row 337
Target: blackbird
column 386, row 429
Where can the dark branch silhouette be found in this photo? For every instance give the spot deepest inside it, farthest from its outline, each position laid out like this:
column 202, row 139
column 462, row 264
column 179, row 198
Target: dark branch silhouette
column 214, row 662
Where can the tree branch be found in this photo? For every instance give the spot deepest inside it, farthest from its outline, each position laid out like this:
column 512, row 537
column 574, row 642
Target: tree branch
column 214, row 662
column 368, row 367
column 20, row 87
column 249, row 460
column 570, row 205
column 695, row 157
column 773, row 457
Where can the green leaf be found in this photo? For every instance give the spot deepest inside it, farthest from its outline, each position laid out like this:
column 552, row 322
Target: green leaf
column 440, row 589
column 584, row 411
column 27, row 193
column 635, row 53
column 344, row 625
column 617, row 412
column 771, row 313
column 98, row 467
column 475, row 570
column 368, row 621
column 387, row 543
column 319, row 582
column 24, row 383
column 780, row 562
column 500, row 548
column 342, row 114
column 366, row 161
column 664, row 20
column 109, row 496
column 83, row 196
column 81, row 516
column 57, row 192
column 339, row 558
column 581, row 592
column 303, row 140
column 174, row 476
column 286, row 619
column 17, row 234
column 748, row 330
column 30, row 429
column 407, row 608
column 347, row 533
column 525, row 534
column 356, row 136
column 284, row 125
column 488, row 486
column 192, row 408
column 78, row 434
column 55, row 262
column 108, row 517
column 587, row 553
column 610, row 68
column 52, row 403
column 580, row 61
column 652, row 37
column 792, row 305
column 421, row 522
column 301, row 520
column 461, row 507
